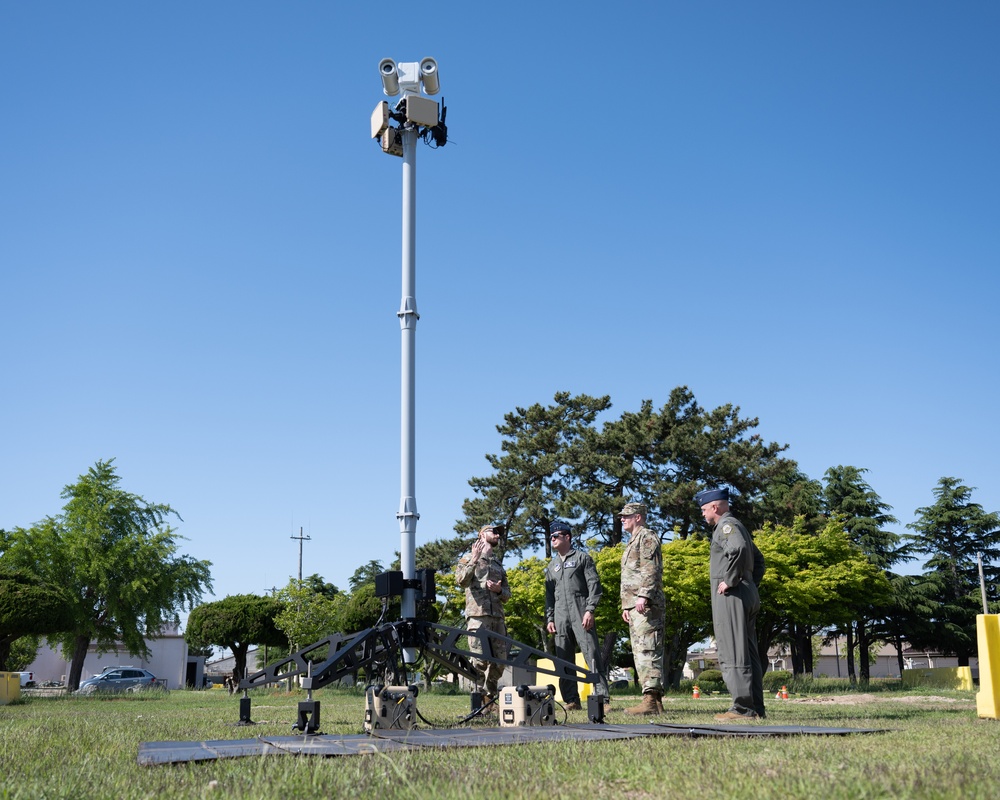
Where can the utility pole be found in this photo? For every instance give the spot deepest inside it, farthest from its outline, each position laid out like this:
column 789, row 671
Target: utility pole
column 301, row 539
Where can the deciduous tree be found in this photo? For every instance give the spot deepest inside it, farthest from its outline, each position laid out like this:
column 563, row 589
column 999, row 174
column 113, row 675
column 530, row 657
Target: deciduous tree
column 29, row 608
column 237, row 622
column 688, row 617
column 813, row 581
column 116, row 557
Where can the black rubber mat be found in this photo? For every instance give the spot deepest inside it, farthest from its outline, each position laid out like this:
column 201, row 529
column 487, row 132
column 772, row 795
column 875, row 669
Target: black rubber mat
column 387, row 741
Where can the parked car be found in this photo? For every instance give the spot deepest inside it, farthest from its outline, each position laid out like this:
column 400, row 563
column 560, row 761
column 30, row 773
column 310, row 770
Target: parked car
column 27, row 679
column 122, row 679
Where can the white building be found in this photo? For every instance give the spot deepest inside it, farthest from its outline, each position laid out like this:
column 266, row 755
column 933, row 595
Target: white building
column 168, row 661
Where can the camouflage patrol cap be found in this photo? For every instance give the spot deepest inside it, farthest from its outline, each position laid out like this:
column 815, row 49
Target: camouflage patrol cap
column 633, row 508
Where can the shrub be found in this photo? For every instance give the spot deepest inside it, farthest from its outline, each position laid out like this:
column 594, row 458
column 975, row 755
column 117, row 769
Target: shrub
column 710, row 680
column 774, row 680
column 446, row 687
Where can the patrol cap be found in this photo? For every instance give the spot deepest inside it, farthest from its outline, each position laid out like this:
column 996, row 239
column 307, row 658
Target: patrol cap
column 558, row 526
column 633, row 508
column 492, row 527
column 711, row 495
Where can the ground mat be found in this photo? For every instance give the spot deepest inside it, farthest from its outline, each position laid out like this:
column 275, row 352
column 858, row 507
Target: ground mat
column 388, row 741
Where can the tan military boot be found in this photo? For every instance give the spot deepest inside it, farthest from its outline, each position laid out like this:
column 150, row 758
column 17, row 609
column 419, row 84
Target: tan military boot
column 650, row 704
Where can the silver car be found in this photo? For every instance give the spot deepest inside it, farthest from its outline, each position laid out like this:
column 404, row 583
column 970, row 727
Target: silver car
column 121, row 679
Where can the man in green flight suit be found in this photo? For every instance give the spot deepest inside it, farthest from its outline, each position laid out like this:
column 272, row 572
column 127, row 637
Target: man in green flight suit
column 572, row 592
column 735, row 603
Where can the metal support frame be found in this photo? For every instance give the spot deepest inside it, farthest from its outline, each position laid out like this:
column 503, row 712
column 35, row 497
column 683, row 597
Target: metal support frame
column 383, row 647
column 308, row 719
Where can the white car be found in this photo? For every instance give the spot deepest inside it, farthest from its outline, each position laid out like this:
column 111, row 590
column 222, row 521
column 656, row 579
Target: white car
column 27, row 679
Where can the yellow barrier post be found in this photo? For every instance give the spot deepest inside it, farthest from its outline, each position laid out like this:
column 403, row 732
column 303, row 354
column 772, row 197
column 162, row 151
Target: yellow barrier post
column 542, row 678
column 10, row 687
column 988, row 697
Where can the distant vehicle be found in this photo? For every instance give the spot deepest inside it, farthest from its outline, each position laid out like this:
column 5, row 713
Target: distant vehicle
column 27, row 679
column 122, row 679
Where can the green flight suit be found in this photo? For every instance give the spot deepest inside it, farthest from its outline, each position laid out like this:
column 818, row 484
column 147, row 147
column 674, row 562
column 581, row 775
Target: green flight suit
column 734, row 614
column 573, row 588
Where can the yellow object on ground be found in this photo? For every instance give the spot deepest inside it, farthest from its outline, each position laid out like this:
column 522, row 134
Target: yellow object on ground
column 942, row 677
column 10, row 687
column 541, row 678
column 988, row 697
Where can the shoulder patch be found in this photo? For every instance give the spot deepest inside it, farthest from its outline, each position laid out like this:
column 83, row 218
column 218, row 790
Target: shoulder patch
column 727, row 529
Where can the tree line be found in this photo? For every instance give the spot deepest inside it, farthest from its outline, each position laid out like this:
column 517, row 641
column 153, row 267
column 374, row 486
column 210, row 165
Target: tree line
column 829, row 543
column 832, row 554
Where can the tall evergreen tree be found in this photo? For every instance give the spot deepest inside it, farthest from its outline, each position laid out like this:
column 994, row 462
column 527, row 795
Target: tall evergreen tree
column 555, row 462
column 863, row 514
column 849, row 498
column 664, row 457
column 952, row 532
column 789, row 495
column 529, row 481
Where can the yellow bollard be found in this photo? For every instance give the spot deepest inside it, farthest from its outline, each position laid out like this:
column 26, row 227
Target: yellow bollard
column 10, row 687
column 585, row 689
column 988, row 697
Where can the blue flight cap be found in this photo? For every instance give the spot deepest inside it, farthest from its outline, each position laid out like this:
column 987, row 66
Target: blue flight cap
column 711, row 495
column 558, row 526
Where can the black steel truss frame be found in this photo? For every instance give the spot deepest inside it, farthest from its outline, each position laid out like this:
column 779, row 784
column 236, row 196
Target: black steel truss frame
column 381, row 647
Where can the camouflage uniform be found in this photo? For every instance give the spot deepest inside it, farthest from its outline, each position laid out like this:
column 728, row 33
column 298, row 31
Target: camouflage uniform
column 572, row 588
column 642, row 576
column 484, row 610
column 734, row 613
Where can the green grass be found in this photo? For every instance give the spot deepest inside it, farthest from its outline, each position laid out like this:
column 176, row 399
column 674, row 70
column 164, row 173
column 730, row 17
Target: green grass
column 936, row 747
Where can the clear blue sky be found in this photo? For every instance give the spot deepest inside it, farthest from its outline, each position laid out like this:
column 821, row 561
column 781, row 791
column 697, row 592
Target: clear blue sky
column 788, row 206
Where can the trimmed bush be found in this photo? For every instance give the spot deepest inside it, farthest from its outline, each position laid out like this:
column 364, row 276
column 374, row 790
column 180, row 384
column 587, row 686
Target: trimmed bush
column 710, row 680
column 774, row 680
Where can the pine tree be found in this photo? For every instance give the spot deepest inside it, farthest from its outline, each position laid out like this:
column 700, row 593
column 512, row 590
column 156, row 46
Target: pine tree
column 849, row 498
column 953, row 532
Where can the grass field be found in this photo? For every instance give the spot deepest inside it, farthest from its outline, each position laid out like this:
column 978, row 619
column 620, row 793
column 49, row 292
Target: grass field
column 934, row 747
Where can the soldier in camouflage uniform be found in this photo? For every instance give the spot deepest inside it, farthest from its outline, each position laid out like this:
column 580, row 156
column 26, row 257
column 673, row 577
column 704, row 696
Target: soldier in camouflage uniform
column 484, row 579
column 643, row 605
column 734, row 566
column 572, row 592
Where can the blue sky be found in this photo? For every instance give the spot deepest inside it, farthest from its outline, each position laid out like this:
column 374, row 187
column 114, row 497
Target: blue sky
column 787, row 206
